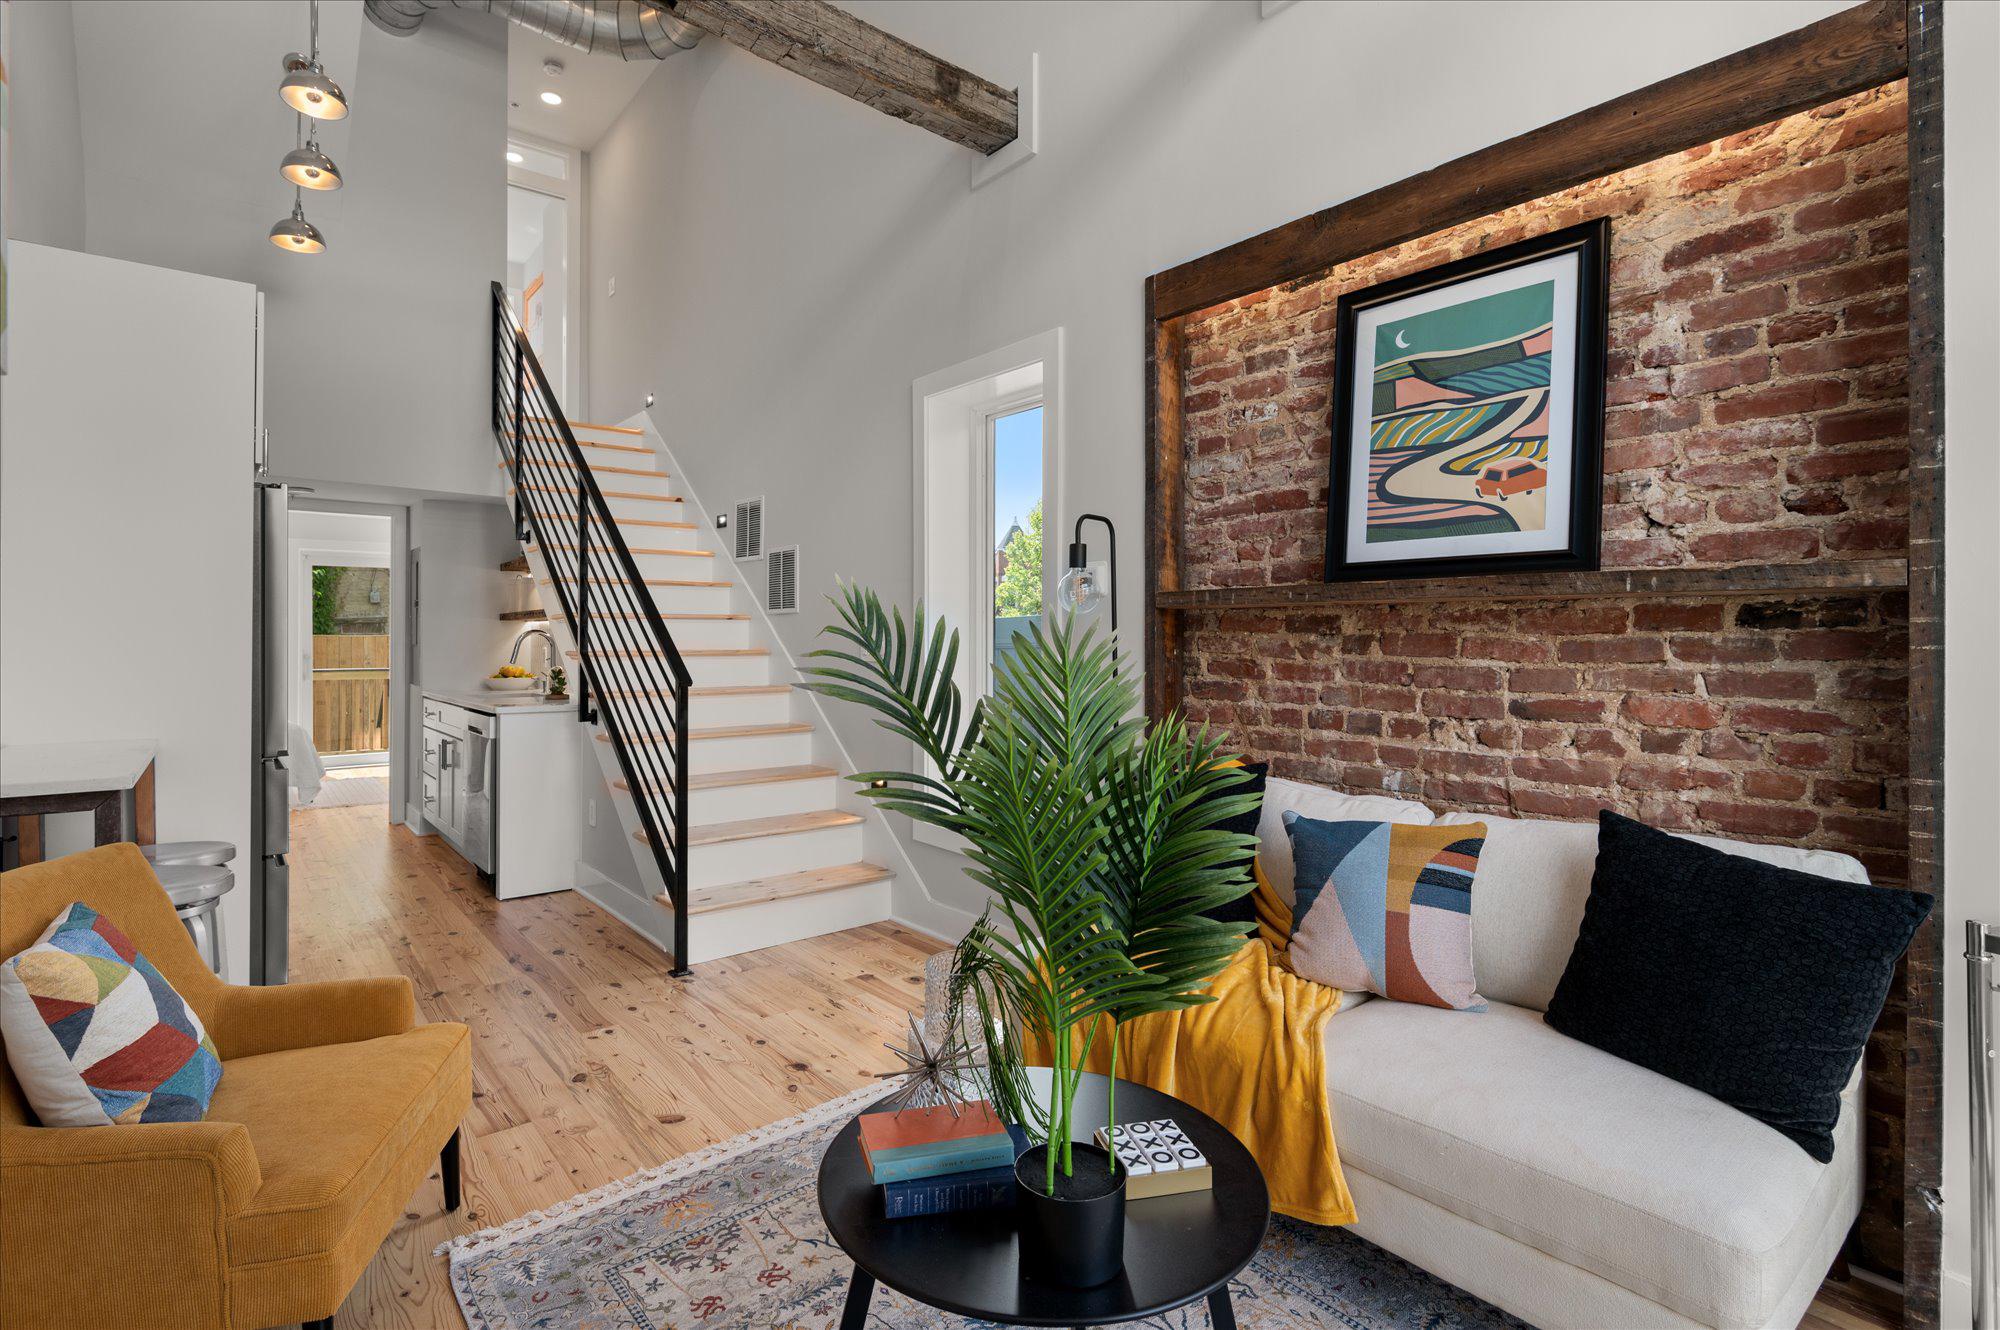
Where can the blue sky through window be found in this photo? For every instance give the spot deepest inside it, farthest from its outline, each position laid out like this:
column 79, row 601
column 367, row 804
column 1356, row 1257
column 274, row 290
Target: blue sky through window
column 1017, row 468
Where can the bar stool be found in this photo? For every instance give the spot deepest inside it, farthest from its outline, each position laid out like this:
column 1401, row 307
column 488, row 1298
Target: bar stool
column 196, row 890
column 189, row 852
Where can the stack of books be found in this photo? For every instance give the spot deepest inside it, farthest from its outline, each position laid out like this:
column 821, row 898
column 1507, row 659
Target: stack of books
column 932, row 1161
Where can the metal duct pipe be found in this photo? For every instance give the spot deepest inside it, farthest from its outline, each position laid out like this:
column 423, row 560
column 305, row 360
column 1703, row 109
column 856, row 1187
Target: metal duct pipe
column 635, row 30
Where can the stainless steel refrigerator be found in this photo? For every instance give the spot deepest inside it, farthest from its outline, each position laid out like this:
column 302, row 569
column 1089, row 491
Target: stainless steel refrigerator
column 270, row 823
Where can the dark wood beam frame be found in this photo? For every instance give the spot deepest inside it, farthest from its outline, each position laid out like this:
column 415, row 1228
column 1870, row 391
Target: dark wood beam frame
column 1860, row 48
column 837, row 50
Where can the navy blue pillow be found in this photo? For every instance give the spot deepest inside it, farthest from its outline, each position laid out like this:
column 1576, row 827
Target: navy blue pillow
column 1753, row 983
column 1242, row 910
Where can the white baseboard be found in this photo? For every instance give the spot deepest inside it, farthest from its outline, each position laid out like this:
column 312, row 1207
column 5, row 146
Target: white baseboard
column 413, row 818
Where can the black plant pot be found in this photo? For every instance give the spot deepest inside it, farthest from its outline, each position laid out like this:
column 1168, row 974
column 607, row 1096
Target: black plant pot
column 1077, row 1236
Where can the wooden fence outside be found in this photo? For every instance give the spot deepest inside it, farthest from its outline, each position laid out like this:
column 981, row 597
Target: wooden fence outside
column 350, row 692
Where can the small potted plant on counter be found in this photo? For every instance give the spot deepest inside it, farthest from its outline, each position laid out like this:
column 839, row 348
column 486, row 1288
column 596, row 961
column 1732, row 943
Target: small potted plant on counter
column 1101, row 843
column 558, row 684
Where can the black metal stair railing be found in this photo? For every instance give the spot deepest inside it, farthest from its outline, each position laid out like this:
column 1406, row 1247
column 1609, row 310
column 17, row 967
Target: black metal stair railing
column 630, row 676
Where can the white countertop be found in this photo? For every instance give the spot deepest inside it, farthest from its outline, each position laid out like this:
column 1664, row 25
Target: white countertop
column 33, row 770
column 495, row 703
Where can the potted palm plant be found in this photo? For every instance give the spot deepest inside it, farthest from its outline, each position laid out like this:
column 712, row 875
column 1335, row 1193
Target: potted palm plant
column 1100, row 841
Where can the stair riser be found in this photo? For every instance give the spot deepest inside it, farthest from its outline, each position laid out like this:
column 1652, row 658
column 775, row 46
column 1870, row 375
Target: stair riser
column 769, row 856
column 728, row 671
column 655, row 482
column 760, row 750
column 662, row 538
column 676, row 566
column 751, row 709
column 733, row 803
column 649, row 510
column 694, row 599
column 720, row 933
column 709, row 634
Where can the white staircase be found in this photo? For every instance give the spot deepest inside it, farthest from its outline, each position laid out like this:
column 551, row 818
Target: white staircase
column 775, row 844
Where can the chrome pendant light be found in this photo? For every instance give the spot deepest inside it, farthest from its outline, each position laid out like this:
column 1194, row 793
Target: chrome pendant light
column 296, row 235
column 309, row 168
column 306, row 88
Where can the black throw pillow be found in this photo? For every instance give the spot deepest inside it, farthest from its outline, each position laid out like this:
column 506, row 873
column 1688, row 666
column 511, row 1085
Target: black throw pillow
column 1242, row 910
column 1754, row 983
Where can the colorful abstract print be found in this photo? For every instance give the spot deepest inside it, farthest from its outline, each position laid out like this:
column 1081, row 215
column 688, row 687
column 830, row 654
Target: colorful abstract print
column 1458, row 433
column 96, row 1035
column 1386, row 908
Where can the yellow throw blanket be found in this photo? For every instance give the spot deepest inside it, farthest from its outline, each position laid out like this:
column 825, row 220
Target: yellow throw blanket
column 1255, row 1061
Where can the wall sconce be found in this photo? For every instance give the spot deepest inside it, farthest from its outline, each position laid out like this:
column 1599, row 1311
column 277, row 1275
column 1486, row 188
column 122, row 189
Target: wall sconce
column 1081, row 591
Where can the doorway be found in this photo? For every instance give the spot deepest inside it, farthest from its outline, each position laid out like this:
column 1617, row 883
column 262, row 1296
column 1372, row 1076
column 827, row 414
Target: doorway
column 545, row 259
column 342, row 606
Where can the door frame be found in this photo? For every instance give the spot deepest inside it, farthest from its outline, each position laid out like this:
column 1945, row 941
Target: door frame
column 569, row 189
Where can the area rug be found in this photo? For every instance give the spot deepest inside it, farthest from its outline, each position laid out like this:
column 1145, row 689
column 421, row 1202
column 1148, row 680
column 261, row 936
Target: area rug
column 730, row 1238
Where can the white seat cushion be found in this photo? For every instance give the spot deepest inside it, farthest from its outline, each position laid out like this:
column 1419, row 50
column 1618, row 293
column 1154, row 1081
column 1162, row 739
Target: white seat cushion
column 1612, row 1168
column 1281, row 796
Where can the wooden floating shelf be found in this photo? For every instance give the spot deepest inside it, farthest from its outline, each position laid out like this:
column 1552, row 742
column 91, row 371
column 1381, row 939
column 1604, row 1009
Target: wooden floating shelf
column 517, row 564
column 523, row 616
column 1805, row 579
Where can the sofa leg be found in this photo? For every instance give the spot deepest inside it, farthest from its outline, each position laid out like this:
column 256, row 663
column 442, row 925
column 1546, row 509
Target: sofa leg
column 448, row 1164
column 323, row 1323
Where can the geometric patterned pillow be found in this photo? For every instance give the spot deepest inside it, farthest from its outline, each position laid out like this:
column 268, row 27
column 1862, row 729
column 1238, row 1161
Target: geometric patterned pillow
column 96, row 1035
column 1386, row 908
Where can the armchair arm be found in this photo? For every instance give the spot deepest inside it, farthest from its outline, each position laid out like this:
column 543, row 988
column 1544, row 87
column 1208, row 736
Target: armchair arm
column 251, row 1020
column 122, row 1217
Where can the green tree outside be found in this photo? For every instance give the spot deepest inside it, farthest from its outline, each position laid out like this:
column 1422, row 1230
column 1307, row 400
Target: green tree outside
column 1018, row 593
column 323, row 580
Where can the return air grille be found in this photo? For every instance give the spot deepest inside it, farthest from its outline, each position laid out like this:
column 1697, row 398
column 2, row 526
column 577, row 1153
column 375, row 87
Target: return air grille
column 749, row 524
column 781, row 581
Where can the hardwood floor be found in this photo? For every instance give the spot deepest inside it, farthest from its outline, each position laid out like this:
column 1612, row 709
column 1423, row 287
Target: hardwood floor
column 591, row 1063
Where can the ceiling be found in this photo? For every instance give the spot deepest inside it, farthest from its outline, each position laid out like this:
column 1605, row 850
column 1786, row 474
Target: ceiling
column 595, row 88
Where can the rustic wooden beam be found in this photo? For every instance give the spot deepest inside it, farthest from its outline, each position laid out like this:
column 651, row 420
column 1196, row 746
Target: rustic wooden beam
column 1858, row 48
column 837, row 50
column 1802, row 579
column 1165, row 466
column 1924, row 1023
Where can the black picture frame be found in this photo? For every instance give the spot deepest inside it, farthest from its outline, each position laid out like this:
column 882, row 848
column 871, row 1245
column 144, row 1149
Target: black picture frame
column 1590, row 242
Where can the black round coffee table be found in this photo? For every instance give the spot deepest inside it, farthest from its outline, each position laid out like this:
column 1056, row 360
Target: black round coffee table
column 1178, row 1249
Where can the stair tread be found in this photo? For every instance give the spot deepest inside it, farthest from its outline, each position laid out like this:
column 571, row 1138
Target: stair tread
column 602, row 467
column 757, row 828
column 726, row 732
column 740, row 690
column 725, row 780
column 648, row 521
column 584, row 424
column 679, row 554
column 696, row 651
column 648, row 581
column 592, row 443
column 785, row 886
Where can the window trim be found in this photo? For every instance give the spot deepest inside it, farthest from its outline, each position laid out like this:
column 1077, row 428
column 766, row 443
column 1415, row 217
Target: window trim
column 970, row 403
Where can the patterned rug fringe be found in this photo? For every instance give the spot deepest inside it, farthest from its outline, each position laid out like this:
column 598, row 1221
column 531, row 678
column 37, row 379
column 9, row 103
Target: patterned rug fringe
column 536, row 1221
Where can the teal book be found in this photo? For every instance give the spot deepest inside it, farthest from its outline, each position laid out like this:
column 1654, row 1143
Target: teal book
column 966, row 1158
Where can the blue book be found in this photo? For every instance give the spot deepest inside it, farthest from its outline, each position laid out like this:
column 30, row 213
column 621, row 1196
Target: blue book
column 975, row 1157
column 981, row 1189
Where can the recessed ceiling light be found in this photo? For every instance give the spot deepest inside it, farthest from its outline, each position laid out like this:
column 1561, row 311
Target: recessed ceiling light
column 552, row 98
column 515, row 158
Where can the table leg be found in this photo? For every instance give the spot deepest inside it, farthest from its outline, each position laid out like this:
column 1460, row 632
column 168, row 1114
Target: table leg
column 28, row 837
column 860, row 1291
column 145, row 827
column 1220, row 1314
column 109, row 818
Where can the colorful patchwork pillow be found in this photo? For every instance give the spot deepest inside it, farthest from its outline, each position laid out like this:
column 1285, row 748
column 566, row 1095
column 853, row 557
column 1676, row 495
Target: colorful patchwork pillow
column 96, row 1035
column 1386, row 908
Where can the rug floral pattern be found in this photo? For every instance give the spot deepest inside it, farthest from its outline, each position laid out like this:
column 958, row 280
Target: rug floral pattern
column 731, row 1239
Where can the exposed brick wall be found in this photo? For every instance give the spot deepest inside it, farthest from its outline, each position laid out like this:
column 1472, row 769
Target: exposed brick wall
column 1755, row 414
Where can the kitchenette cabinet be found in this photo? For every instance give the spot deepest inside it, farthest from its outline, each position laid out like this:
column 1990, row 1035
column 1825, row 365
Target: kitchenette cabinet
column 501, row 781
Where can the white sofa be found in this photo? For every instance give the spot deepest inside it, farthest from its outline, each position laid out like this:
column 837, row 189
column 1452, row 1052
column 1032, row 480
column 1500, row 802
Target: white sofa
column 1556, row 1181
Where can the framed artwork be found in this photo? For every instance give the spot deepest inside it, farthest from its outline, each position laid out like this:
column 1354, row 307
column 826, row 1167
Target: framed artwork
column 1468, row 415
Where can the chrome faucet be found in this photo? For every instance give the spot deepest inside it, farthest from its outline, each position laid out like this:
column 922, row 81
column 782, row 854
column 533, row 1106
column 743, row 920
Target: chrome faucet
column 543, row 633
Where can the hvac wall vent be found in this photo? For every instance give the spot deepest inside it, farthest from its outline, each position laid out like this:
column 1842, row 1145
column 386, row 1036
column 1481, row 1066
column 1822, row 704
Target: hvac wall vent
column 781, row 581
column 749, row 524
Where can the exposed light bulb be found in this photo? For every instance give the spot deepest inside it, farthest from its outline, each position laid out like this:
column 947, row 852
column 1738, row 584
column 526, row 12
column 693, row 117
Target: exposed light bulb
column 1080, row 591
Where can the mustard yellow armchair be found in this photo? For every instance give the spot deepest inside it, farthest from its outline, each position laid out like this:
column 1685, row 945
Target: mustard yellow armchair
column 332, row 1104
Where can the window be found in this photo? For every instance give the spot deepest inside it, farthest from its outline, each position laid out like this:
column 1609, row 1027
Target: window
column 987, row 439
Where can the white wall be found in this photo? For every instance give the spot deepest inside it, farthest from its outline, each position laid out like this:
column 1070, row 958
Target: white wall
column 44, row 187
column 125, row 532
column 1972, row 561
column 377, row 351
column 788, row 261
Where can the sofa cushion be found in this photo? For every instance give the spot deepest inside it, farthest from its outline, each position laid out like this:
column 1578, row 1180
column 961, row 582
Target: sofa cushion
column 95, row 1033
column 1385, row 907
column 1534, row 876
column 1242, row 910
column 1281, row 796
column 1643, row 1181
column 330, row 1125
column 1752, row 982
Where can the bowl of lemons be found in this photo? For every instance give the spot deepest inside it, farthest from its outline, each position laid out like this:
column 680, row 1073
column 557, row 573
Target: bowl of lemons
column 511, row 679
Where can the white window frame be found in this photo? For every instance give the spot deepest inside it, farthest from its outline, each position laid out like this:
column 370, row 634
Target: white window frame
column 952, row 419
column 569, row 190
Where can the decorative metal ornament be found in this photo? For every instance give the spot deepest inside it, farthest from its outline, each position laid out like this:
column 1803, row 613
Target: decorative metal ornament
column 932, row 1077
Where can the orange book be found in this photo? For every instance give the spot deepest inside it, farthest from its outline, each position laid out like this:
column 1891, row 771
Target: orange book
column 898, row 1140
